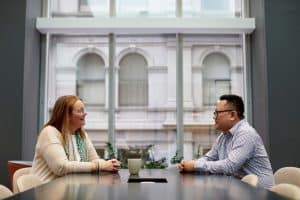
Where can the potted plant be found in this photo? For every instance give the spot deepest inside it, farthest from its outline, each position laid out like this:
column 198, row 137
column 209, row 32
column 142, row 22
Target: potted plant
column 110, row 151
column 176, row 159
column 151, row 163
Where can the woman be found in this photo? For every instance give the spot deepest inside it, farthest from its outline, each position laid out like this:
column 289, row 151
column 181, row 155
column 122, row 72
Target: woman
column 64, row 147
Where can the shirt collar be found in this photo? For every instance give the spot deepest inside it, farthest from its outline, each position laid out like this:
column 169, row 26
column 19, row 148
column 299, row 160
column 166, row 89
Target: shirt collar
column 235, row 127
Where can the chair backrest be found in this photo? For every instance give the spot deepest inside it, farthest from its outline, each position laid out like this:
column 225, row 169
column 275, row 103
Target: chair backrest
column 27, row 182
column 4, row 192
column 287, row 190
column 17, row 174
column 251, row 179
column 289, row 175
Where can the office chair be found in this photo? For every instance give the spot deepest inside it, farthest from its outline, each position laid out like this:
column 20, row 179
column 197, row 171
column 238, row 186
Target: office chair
column 27, row 182
column 287, row 190
column 250, row 179
column 289, row 175
column 4, row 192
column 17, row 174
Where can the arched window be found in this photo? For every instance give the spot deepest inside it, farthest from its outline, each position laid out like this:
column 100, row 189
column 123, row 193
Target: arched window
column 216, row 78
column 133, row 81
column 91, row 79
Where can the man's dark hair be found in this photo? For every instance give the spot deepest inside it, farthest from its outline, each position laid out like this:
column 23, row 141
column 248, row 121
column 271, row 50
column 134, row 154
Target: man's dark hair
column 236, row 102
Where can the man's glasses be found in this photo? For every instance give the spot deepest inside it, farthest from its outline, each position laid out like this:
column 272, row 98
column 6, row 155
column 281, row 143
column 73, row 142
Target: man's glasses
column 221, row 111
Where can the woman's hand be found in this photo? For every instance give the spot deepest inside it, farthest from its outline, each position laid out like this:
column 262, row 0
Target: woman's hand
column 112, row 165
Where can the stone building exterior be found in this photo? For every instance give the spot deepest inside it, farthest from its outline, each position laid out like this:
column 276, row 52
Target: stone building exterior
column 146, row 107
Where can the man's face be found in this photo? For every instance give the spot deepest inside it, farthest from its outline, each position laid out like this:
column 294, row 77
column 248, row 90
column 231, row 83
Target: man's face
column 223, row 116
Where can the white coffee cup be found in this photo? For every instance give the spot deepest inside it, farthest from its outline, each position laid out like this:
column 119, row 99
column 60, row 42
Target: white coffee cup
column 134, row 165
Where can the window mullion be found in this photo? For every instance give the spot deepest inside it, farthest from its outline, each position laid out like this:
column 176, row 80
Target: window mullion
column 179, row 94
column 111, row 90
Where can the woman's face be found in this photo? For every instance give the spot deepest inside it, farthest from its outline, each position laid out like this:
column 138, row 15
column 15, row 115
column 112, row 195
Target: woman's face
column 77, row 118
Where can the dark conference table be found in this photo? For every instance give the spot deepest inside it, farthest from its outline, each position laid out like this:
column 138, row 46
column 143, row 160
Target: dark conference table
column 108, row 186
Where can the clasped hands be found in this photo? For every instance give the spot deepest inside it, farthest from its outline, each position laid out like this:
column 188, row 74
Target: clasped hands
column 112, row 165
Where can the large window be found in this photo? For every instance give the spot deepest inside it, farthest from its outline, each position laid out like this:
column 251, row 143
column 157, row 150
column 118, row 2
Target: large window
column 146, row 8
column 141, row 66
column 206, row 8
column 94, row 8
column 215, row 5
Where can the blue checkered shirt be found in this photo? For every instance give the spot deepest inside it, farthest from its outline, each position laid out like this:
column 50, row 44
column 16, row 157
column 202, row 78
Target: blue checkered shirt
column 238, row 152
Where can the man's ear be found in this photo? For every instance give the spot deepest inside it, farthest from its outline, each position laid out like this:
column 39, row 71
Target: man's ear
column 234, row 115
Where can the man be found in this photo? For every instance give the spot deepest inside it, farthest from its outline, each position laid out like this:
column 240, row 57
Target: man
column 238, row 150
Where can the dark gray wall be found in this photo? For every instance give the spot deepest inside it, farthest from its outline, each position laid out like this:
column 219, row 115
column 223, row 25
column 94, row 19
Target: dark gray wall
column 12, row 34
column 276, row 69
column 31, row 81
column 259, row 72
column 19, row 58
column 283, row 61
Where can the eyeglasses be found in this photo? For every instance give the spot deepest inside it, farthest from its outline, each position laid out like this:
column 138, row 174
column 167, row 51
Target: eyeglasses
column 221, row 111
column 79, row 111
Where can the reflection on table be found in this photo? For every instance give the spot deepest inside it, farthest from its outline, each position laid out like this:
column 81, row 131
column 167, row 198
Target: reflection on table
column 115, row 186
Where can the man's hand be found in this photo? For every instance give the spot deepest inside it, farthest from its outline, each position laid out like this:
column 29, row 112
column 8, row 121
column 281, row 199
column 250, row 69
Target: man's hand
column 186, row 166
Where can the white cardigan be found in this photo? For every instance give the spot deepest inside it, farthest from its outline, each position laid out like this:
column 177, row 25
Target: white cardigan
column 50, row 160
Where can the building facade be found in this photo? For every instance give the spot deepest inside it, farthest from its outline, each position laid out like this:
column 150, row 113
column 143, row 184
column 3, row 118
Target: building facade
column 145, row 71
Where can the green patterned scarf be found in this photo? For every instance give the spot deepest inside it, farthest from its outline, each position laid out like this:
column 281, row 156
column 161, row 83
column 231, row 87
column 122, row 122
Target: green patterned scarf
column 81, row 147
